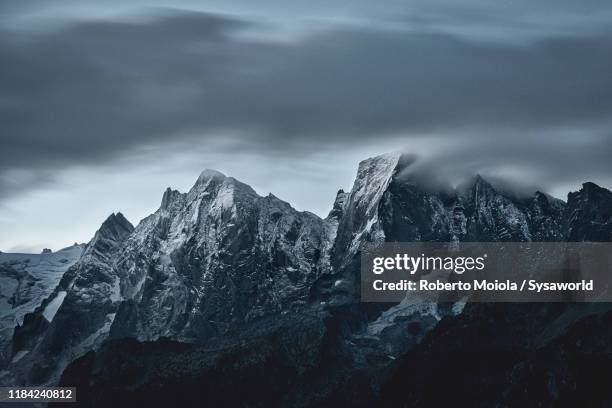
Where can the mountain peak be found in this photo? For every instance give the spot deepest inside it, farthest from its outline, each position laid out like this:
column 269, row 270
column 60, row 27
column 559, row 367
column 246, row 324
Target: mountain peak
column 113, row 231
column 209, row 174
column 541, row 196
column 479, row 180
column 482, row 186
column 339, row 205
column 169, row 197
column 209, row 179
column 116, row 225
column 384, row 160
column 589, row 214
column 117, row 219
column 590, row 187
column 473, row 184
column 590, row 191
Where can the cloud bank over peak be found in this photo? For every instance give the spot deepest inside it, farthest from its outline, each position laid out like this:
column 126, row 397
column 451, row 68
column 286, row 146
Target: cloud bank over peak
column 509, row 90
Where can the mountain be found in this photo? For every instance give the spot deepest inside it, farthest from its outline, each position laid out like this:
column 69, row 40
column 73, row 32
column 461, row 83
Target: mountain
column 25, row 281
column 388, row 203
column 215, row 257
column 206, row 261
column 588, row 214
column 83, row 303
column 248, row 295
column 519, row 354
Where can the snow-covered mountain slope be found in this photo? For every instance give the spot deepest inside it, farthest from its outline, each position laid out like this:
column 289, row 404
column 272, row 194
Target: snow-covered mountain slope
column 76, row 316
column 27, row 279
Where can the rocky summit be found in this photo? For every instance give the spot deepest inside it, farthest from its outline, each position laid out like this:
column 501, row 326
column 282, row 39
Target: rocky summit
column 245, row 301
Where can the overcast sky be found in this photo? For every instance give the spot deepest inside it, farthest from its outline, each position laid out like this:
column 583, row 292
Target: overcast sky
column 103, row 106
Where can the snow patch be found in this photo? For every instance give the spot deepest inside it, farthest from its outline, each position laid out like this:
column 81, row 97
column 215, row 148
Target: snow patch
column 19, row 355
column 94, row 340
column 406, row 308
column 115, row 294
column 53, row 306
column 458, row 307
column 43, row 270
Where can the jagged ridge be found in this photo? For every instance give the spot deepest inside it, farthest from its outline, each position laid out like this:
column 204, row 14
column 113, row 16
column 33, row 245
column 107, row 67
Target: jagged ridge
column 221, row 256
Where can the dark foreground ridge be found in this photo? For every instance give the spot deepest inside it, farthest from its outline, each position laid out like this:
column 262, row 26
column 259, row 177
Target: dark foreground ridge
column 522, row 355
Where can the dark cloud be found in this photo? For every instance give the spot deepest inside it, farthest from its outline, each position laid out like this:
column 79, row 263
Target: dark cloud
column 91, row 91
column 559, row 161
